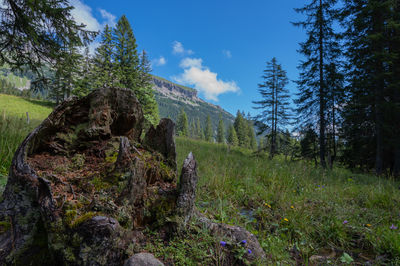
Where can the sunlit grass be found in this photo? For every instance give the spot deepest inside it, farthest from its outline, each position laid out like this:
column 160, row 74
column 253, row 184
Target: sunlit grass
column 307, row 205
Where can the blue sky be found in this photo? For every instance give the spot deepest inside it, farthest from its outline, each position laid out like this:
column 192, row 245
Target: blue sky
column 218, row 47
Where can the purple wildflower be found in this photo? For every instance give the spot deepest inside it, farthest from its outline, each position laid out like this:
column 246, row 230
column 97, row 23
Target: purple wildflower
column 393, row 227
column 345, row 222
column 249, row 251
column 243, row 241
column 223, row 243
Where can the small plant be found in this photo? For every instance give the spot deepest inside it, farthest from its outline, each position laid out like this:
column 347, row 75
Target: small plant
column 346, row 258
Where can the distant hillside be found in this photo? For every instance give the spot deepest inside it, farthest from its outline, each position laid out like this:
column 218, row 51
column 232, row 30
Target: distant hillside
column 20, row 82
column 171, row 97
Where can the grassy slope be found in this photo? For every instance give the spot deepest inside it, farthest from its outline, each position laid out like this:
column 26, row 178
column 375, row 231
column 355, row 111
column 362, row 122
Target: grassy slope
column 14, row 127
column 254, row 192
column 17, row 106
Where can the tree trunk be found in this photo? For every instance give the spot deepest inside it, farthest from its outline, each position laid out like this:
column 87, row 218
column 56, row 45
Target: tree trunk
column 321, row 91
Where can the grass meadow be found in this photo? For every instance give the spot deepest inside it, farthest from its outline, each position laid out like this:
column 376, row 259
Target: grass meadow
column 300, row 214
column 14, row 126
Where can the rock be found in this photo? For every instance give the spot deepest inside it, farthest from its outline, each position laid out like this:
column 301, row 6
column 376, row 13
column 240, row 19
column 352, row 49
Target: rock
column 187, row 189
column 161, row 139
column 124, row 154
column 143, row 259
column 236, row 234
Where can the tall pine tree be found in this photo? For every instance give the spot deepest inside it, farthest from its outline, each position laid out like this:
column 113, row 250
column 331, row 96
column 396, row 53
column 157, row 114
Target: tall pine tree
column 126, row 58
column 182, row 125
column 371, row 117
column 319, row 48
column 208, row 133
column 104, row 75
column 232, row 136
column 221, row 131
column 274, row 103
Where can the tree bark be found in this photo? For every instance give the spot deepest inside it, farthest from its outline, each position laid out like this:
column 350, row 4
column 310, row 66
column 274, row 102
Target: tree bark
column 321, row 90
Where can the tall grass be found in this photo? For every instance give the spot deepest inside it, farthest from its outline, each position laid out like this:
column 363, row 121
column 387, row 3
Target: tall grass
column 14, row 126
column 13, row 131
column 293, row 205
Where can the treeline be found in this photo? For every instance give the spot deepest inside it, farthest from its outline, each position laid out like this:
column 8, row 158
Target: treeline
column 348, row 105
column 241, row 133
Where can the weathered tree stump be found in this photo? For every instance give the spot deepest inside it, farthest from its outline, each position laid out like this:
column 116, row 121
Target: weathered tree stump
column 83, row 185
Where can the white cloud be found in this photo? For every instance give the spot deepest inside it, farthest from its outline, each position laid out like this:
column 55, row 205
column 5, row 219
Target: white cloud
column 83, row 14
column 191, row 62
column 109, row 18
column 202, row 79
column 177, row 48
column 227, row 53
column 160, row 61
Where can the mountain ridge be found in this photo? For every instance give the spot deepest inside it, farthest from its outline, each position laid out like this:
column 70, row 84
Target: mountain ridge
column 171, row 97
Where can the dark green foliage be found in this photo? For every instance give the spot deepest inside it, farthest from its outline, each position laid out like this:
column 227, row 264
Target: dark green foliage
column 145, row 93
column 83, row 83
column 103, row 69
column 308, row 145
column 221, row 131
column 198, row 129
column 126, row 58
column 241, row 128
column 182, row 126
column 371, row 114
column 321, row 49
column 208, row 132
column 252, row 135
column 66, row 74
column 34, row 33
column 274, row 103
column 232, row 136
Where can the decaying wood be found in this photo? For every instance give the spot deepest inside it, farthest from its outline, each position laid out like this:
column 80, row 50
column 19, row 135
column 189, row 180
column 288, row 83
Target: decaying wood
column 83, row 185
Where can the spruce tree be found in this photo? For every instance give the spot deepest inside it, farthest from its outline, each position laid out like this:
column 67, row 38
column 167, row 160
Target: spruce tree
column 252, row 135
column 193, row 130
column 103, row 68
column 221, row 131
column 198, row 129
column 208, row 133
column 133, row 71
column 126, row 58
column 319, row 49
column 83, row 84
column 232, row 136
column 182, row 126
column 371, row 114
column 66, row 74
column 274, row 105
column 241, row 129
column 144, row 92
